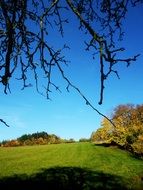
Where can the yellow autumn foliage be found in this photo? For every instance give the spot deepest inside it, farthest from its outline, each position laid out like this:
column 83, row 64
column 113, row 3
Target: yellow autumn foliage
column 128, row 129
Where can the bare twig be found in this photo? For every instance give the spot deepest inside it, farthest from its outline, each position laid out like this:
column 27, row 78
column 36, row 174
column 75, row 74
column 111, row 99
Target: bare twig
column 28, row 49
column 2, row 121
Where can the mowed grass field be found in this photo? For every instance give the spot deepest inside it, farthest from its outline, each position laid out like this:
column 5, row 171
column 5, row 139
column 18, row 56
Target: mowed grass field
column 70, row 166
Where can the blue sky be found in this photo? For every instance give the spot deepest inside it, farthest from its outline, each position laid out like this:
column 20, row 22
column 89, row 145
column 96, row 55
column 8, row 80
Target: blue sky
column 67, row 115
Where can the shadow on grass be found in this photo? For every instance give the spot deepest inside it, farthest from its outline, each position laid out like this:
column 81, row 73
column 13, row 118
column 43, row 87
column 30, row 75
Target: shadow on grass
column 66, row 178
column 129, row 150
column 111, row 144
column 103, row 144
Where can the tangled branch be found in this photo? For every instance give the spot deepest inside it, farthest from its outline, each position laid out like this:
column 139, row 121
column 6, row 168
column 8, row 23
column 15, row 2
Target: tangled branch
column 25, row 47
column 105, row 46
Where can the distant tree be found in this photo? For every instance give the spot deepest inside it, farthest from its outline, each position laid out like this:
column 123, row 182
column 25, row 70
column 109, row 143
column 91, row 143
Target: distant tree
column 4, row 142
column 25, row 46
column 39, row 138
column 71, row 140
column 27, row 142
column 11, row 143
column 24, row 137
column 53, row 139
column 40, row 141
column 84, row 140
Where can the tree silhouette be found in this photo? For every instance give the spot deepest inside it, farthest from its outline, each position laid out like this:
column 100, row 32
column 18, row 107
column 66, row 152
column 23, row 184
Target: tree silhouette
column 24, row 27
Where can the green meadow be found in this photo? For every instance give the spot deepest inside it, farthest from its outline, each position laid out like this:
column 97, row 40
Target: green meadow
column 70, row 166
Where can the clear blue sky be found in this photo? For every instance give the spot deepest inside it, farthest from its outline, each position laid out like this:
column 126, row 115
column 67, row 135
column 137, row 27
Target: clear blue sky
column 67, row 115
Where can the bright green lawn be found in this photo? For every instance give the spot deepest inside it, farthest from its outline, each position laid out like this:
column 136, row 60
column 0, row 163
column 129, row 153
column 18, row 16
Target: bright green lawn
column 109, row 160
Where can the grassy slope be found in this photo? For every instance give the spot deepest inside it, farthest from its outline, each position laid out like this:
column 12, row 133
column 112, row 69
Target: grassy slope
column 31, row 159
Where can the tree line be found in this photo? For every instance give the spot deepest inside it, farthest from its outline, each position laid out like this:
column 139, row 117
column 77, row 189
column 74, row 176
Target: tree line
column 127, row 131
column 39, row 138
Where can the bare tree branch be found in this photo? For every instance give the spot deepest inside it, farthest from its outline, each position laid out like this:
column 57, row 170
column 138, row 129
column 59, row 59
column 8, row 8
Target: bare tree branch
column 106, row 50
column 28, row 50
column 2, row 121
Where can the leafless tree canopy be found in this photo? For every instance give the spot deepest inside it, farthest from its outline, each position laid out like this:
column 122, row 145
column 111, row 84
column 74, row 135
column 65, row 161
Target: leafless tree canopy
column 24, row 34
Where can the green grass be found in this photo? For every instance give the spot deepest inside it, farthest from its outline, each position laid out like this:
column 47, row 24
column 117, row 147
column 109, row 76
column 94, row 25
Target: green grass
column 94, row 160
